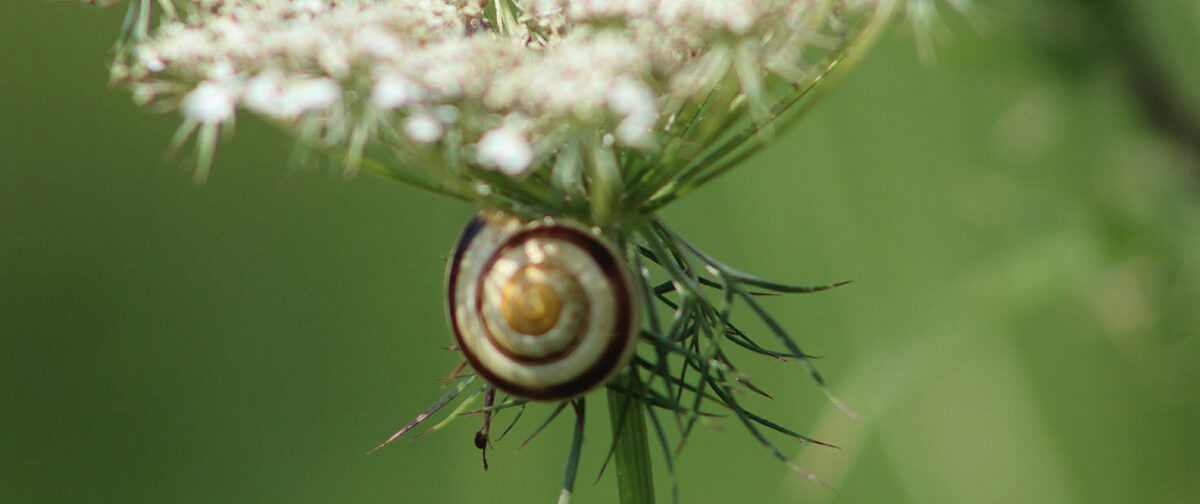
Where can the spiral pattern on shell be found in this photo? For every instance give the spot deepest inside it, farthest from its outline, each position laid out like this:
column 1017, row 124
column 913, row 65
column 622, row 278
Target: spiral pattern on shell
column 543, row 310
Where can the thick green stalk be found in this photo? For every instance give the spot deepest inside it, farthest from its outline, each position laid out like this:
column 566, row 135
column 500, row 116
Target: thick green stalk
column 635, row 480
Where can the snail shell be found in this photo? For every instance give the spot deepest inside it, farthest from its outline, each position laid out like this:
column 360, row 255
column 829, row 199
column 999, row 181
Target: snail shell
column 543, row 310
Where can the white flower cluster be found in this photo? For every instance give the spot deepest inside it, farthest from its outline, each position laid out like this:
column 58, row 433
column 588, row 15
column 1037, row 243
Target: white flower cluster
column 451, row 87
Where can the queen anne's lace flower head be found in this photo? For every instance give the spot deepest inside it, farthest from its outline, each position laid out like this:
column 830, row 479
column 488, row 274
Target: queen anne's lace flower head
column 629, row 101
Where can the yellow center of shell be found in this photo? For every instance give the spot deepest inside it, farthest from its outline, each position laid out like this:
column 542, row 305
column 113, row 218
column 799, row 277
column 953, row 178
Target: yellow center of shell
column 529, row 302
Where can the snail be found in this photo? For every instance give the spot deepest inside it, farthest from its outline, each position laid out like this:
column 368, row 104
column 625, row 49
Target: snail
column 544, row 310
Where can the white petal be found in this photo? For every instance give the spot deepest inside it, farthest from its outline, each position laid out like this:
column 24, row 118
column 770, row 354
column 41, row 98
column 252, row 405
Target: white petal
column 391, row 92
column 423, row 128
column 505, row 149
column 210, row 103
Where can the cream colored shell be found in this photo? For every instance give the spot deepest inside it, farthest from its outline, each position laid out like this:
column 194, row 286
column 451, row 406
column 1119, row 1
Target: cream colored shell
column 544, row 310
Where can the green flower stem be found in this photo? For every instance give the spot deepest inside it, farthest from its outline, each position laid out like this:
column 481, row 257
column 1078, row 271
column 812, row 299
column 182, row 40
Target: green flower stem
column 635, row 480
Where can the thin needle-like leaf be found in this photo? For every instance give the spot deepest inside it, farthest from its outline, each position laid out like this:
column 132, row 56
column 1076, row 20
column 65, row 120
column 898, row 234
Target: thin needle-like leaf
column 668, row 458
column 573, row 456
column 561, row 406
column 512, row 423
column 437, row 405
column 749, row 423
column 458, row 410
column 791, row 345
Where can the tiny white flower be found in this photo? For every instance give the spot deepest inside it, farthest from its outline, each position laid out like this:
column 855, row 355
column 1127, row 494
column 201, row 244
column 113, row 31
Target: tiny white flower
column 505, row 149
column 311, row 7
column 379, row 42
column 210, row 103
column 149, row 59
column 391, row 92
column 312, row 94
column 423, row 128
column 271, row 94
column 631, row 98
column 263, row 93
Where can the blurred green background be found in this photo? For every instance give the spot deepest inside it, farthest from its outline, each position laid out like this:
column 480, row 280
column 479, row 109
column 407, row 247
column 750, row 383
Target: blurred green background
column 1023, row 325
